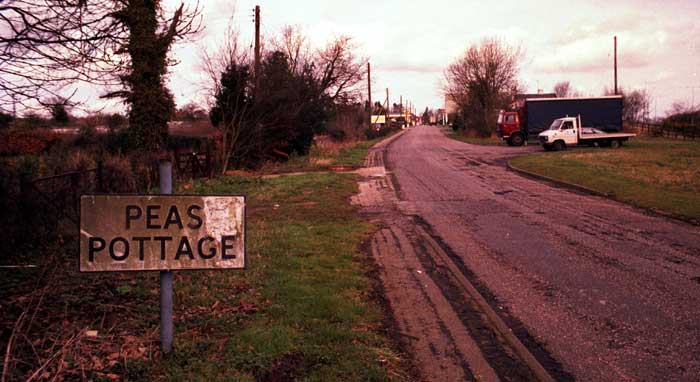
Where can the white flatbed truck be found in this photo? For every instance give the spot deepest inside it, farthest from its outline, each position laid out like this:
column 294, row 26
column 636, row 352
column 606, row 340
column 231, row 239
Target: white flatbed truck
column 565, row 132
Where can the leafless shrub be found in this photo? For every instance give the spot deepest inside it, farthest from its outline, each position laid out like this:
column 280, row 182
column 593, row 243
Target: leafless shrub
column 563, row 89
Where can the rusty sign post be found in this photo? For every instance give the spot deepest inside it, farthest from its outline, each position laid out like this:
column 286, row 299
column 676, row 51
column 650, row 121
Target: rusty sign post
column 162, row 233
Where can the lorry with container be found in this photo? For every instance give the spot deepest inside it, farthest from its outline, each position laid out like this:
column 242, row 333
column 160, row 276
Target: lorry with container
column 531, row 116
column 568, row 131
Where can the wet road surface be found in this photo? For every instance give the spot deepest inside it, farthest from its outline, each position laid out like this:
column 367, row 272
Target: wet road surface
column 596, row 289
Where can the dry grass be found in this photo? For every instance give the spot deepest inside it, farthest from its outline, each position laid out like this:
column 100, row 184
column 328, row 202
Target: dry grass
column 327, row 149
column 324, row 152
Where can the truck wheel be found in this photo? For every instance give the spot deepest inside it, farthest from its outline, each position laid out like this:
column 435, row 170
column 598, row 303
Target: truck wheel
column 517, row 140
column 615, row 144
column 558, row 145
column 509, row 142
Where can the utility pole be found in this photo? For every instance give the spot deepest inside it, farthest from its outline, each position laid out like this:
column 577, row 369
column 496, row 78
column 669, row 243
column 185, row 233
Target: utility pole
column 257, row 44
column 369, row 93
column 615, row 60
column 410, row 111
column 386, row 111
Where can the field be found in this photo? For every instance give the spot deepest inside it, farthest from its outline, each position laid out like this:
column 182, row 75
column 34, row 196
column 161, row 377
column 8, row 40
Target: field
column 304, row 308
column 653, row 173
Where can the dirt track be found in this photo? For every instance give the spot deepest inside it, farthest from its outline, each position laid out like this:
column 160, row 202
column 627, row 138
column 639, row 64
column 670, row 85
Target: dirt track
column 595, row 289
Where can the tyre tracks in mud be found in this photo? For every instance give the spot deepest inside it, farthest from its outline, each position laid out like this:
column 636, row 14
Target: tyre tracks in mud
column 450, row 324
column 609, row 291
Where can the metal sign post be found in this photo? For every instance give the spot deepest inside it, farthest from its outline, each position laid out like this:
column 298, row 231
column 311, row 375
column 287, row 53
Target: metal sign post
column 165, row 171
column 163, row 233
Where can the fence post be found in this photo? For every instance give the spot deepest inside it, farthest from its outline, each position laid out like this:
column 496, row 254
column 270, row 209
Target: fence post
column 100, row 180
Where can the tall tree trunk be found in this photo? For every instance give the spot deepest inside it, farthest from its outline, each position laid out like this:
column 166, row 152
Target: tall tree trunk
column 151, row 104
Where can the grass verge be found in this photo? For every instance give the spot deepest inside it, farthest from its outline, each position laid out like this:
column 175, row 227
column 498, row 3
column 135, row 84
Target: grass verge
column 303, row 310
column 355, row 155
column 459, row 136
column 652, row 173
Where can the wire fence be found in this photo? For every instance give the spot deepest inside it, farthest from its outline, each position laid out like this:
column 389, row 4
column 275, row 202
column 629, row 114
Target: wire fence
column 43, row 208
column 60, row 193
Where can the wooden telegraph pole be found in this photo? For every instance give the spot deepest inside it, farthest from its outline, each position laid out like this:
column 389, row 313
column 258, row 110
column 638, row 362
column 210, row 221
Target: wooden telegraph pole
column 369, row 93
column 615, row 61
column 257, row 45
column 386, row 111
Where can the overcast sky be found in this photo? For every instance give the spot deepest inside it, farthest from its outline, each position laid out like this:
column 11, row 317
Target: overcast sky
column 410, row 43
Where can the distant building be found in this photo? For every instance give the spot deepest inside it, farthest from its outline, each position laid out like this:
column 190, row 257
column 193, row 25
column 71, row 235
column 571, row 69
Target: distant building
column 378, row 120
column 403, row 119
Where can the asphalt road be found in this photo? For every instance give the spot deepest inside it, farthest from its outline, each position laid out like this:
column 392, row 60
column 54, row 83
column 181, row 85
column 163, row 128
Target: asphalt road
column 611, row 292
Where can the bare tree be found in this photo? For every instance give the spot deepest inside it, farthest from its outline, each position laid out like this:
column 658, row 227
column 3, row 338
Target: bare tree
column 635, row 103
column 562, row 89
column 43, row 45
column 340, row 70
column 296, row 92
column 46, row 45
column 482, row 81
column 679, row 107
column 214, row 61
column 295, row 46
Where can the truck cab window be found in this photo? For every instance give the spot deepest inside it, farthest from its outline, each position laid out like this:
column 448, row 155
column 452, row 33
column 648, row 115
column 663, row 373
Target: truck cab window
column 510, row 118
column 567, row 125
